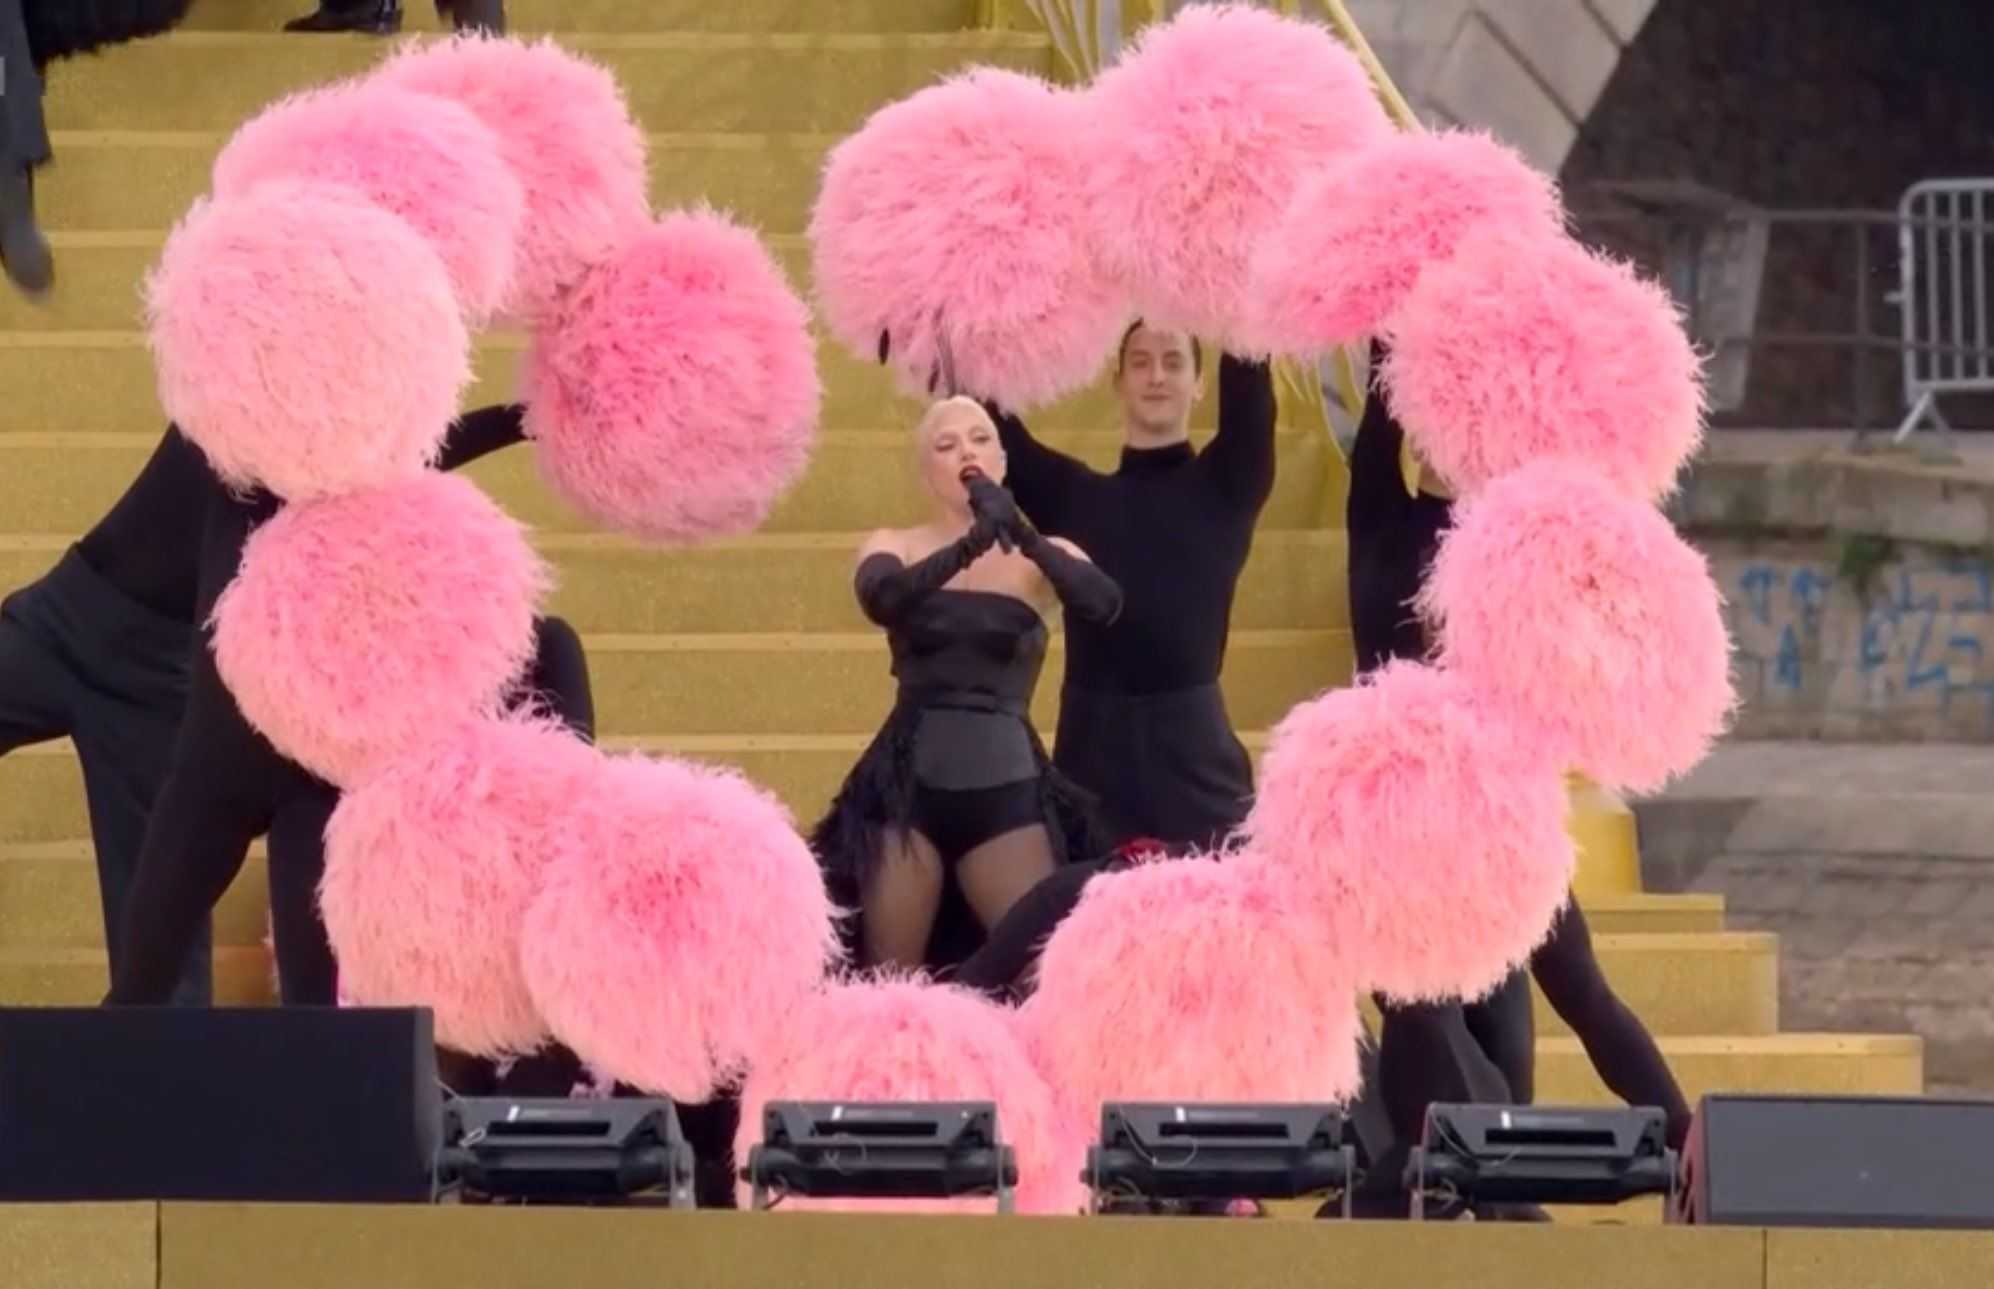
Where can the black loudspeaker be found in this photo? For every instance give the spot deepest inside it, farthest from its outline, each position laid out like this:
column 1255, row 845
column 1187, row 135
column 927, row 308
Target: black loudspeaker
column 294, row 1104
column 1839, row 1161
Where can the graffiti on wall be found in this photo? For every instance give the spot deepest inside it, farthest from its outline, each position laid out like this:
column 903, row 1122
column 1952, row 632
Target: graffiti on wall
column 1911, row 644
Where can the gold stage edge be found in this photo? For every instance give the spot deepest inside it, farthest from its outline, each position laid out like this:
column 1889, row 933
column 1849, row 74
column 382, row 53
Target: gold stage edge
column 187, row 1246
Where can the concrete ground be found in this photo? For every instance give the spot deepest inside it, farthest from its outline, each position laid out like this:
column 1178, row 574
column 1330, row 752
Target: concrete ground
column 1874, row 864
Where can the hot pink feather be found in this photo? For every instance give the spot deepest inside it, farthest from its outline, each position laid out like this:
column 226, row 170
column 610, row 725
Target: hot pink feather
column 360, row 625
column 1584, row 615
column 307, row 340
column 674, row 393
column 682, row 921
column 1527, row 345
column 958, row 216
column 1199, row 139
column 1420, row 833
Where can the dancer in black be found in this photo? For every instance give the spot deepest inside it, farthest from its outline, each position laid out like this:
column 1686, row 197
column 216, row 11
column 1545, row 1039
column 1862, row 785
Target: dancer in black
column 224, row 784
column 1483, row 1051
column 956, row 791
column 384, row 17
column 1143, row 723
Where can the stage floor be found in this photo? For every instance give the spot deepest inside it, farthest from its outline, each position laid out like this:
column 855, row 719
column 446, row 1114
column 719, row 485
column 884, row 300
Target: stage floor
column 187, row 1246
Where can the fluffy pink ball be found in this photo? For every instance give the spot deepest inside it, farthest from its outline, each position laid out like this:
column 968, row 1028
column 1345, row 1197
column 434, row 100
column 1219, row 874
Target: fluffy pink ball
column 959, row 213
column 1362, row 229
column 1183, row 980
column 683, row 919
column 417, row 156
column 674, row 392
column 306, row 340
column 430, row 864
column 1527, row 345
column 1200, row 138
column 1416, row 830
column 907, row 1040
column 360, row 625
column 1589, row 619
column 567, row 134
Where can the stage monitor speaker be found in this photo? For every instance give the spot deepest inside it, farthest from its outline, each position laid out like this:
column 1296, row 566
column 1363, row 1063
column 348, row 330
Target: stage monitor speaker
column 320, row 1105
column 1839, row 1161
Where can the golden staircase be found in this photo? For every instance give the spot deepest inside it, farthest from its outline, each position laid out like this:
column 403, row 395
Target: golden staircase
column 750, row 651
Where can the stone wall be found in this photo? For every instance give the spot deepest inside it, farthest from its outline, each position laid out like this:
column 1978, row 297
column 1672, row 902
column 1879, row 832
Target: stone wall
column 1860, row 595
column 1800, row 104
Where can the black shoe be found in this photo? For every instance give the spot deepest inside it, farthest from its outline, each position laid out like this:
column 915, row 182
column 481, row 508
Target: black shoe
column 24, row 252
column 474, row 15
column 374, row 17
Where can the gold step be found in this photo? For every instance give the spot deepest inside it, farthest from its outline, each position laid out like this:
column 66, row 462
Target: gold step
column 1724, row 982
column 857, row 481
column 100, row 379
column 81, row 977
column 129, row 179
column 1644, row 913
column 49, row 898
column 195, row 80
column 1294, row 579
column 1855, row 1064
column 531, row 17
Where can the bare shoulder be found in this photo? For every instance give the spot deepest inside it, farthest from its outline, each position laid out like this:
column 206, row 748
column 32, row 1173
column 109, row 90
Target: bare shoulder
column 884, row 541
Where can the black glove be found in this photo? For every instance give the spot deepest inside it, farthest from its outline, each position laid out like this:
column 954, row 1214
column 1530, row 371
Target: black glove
column 993, row 504
column 887, row 588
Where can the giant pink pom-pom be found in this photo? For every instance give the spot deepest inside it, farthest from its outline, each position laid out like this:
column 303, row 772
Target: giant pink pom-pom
column 306, row 340
column 417, row 156
column 569, row 137
column 430, row 865
column 958, row 216
column 1184, row 980
column 1200, row 137
column 1585, row 615
column 683, row 920
column 1361, row 230
column 1417, row 830
column 674, row 392
column 1527, row 345
column 360, row 625
column 906, row 1040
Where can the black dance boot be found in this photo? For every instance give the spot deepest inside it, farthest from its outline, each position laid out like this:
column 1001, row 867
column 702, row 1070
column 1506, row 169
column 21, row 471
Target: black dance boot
column 374, row 17
column 474, row 15
column 24, row 252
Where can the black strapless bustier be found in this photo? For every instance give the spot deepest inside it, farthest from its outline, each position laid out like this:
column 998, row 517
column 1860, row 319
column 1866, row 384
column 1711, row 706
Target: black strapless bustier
column 967, row 662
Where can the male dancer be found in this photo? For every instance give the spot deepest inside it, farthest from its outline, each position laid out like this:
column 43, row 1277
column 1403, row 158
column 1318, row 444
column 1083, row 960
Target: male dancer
column 1142, row 721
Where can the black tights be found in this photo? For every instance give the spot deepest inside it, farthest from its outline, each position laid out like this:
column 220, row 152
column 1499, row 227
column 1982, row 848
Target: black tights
column 227, row 787
column 1485, row 1050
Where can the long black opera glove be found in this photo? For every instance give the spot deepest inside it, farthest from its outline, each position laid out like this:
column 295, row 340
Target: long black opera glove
column 1082, row 587
column 887, row 588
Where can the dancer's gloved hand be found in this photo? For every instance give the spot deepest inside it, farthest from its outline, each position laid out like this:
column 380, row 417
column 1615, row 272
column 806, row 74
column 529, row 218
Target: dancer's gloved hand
column 991, row 503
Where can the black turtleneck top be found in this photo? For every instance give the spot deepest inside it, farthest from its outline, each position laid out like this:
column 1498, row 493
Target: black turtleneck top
column 174, row 539
column 1172, row 526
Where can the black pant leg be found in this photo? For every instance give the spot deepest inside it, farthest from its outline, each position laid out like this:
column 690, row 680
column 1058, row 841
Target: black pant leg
column 220, row 795
column 306, row 973
column 1505, row 1028
column 23, row 129
column 558, row 680
column 1003, row 967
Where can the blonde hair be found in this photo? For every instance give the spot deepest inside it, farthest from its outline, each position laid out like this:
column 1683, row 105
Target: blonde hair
column 939, row 411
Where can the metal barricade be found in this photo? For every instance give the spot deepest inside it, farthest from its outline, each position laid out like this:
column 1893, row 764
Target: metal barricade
column 1944, row 255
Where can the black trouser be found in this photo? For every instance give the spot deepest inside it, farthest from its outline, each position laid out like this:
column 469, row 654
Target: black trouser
column 23, row 129
column 227, row 787
column 79, row 659
column 1166, row 767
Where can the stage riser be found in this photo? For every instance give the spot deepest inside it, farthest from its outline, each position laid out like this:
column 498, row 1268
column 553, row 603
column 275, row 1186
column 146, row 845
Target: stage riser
column 78, row 364
column 855, row 483
column 1293, row 581
column 748, row 82
column 142, row 1246
column 529, row 17
column 133, row 180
